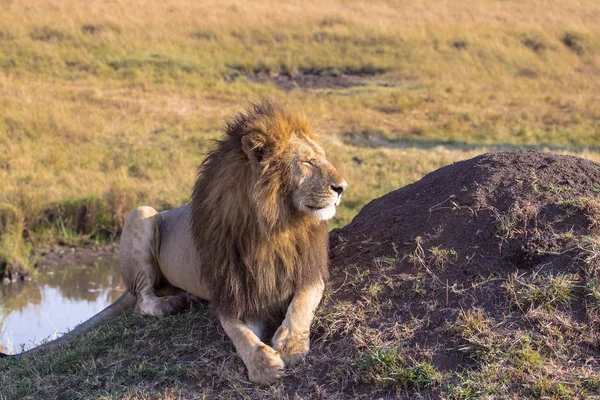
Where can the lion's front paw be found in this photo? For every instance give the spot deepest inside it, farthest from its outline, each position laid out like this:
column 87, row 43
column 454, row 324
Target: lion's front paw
column 293, row 347
column 266, row 366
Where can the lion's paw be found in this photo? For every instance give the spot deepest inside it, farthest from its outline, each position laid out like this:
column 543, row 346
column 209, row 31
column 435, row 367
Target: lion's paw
column 292, row 347
column 266, row 366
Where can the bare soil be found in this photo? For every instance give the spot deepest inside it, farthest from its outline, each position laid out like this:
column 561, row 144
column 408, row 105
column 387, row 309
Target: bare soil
column 315, row 78
column 305, row 81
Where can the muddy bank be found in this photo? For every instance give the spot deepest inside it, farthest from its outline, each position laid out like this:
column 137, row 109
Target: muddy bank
column 60, row 255
column 57, row 255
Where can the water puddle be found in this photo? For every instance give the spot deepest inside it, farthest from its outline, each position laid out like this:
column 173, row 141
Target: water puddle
column 56, row 300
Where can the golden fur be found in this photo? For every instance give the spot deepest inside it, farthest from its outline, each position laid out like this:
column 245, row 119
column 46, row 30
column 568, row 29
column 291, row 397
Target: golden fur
column 256, row 248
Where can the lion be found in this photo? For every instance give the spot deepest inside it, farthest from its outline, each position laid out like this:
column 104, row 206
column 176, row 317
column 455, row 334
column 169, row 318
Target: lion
column 253, row 240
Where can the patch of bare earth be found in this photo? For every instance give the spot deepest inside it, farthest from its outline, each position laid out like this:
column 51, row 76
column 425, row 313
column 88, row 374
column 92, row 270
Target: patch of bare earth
column 309, row 81
column 315, row 78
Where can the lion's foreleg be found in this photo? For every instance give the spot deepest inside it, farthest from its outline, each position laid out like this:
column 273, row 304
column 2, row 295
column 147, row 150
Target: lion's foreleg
column 292, row 339
column 263, row 363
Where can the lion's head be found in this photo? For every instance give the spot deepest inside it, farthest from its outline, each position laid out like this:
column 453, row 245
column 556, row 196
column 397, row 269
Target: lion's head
column 259, row 208
column 284, row 156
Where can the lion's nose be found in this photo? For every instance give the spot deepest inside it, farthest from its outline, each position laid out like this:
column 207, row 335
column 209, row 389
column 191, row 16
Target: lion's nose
column 339, row 187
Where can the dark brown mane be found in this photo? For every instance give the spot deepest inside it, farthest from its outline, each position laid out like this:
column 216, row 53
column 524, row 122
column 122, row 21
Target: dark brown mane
column 256, row 249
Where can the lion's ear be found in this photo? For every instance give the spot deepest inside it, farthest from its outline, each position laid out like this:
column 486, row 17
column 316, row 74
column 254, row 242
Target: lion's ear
column 253, row 146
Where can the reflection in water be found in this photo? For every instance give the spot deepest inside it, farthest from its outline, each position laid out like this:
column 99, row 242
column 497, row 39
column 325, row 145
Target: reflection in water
column 56, row 300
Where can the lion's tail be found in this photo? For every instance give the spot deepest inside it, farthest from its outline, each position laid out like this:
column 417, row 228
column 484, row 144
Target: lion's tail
column 126, row 301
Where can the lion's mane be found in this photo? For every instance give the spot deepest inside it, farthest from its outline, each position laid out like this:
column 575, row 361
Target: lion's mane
column 256, row 249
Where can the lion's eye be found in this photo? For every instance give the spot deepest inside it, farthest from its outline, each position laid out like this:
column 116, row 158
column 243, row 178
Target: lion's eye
column 308, row 163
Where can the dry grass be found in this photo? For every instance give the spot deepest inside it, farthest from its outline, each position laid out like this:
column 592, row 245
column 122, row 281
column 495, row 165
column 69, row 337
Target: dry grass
column 514, row 222
column 546, row 291
column 99, row 99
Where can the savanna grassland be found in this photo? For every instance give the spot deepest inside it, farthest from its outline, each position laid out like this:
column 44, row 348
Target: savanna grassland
column 106, row 105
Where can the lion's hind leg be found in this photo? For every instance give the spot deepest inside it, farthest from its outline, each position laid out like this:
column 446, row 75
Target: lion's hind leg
column 140, row 241
column 151, row 304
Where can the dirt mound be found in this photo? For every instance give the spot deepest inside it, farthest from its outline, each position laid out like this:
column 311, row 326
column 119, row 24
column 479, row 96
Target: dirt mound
column 482, row 277
column 502, row 210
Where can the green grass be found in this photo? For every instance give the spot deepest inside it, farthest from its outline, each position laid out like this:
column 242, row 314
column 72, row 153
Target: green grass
column 550, row 292
column 389, row 369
